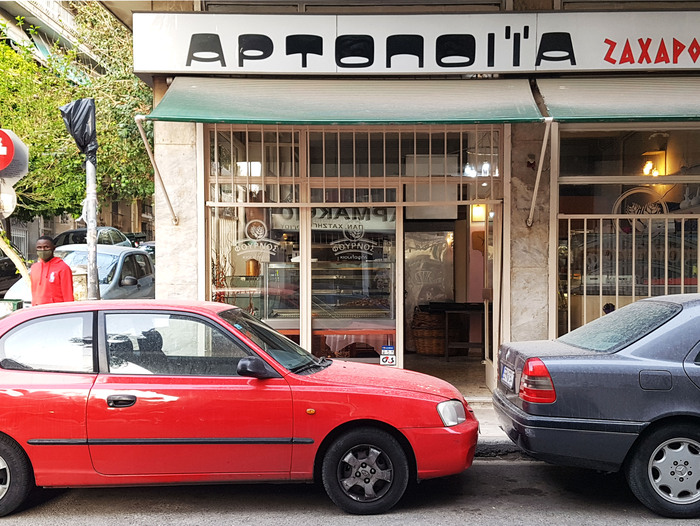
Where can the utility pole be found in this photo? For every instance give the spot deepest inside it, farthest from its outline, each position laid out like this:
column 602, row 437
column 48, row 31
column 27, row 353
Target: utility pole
column 79, row 117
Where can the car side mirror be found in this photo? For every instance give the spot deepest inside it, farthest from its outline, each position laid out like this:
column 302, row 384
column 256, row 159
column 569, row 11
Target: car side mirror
column 255, row 367
column 128, row 281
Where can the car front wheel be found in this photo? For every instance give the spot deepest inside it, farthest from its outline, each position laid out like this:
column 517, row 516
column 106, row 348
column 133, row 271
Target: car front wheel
column 16, row 480
column 664, row 471
column 365, row 471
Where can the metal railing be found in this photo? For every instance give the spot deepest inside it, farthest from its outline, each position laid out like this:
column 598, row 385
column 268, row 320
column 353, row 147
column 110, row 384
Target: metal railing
column 620, row 258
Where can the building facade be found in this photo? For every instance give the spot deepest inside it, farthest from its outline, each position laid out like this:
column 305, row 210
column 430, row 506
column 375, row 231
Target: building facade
column 357, row 174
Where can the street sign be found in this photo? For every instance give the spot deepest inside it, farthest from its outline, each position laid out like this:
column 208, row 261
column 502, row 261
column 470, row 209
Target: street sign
column 7, row 150
column 14, row 157
column 8, row 200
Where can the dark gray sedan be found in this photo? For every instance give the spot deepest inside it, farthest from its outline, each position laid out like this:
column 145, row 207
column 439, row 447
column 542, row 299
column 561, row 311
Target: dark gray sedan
column 621, row 392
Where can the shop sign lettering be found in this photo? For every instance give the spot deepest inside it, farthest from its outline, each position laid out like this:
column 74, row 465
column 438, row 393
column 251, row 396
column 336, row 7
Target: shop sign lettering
column 378, row 218
column 414, row 44
column 257, row 243
column 353, row 244
column 642, row 51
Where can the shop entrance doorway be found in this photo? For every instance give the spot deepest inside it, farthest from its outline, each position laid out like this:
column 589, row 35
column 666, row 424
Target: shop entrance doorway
column 448, row 287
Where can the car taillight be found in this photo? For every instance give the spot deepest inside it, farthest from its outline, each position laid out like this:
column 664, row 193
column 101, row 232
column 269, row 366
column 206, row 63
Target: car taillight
column 536, row 383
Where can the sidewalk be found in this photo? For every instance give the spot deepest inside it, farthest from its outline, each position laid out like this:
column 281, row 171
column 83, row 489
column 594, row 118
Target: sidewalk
column 493, row 441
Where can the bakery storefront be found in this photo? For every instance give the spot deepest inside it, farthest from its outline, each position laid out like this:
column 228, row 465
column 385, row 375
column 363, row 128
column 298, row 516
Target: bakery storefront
column 341, row 231
column 340, row 177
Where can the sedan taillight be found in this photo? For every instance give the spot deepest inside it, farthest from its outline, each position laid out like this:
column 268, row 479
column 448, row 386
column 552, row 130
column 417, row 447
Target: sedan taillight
column 536, row 383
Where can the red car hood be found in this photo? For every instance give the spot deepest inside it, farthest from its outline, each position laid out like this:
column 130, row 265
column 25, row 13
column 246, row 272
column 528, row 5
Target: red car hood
column 379, row 376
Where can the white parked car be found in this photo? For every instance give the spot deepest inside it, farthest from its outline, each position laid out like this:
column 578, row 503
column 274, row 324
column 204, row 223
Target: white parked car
column 123, row 272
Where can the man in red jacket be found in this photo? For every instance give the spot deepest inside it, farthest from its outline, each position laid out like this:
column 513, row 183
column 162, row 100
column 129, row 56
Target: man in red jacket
column 52, row 278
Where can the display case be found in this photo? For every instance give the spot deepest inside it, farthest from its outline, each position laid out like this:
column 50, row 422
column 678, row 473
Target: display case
column 353, row 290
column 340, row 290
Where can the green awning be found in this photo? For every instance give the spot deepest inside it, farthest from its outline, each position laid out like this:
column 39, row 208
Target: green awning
column 346, row 101
column 613, row 99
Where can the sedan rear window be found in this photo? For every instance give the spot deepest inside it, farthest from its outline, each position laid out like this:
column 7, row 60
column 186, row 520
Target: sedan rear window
column 622, row 327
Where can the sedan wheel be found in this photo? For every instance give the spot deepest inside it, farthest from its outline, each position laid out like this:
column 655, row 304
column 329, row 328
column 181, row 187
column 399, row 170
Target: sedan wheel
column 16, row 479
column 664, row 472
column 365, row 471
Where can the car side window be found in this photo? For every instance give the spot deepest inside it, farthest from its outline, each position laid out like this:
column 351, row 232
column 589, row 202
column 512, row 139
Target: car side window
column 103, row 238
column 129, row 268
column 116, row 237
column 53, row 343
column 170, row 344
column 143, row 266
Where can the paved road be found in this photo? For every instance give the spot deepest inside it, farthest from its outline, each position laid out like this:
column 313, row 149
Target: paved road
column 515, row 491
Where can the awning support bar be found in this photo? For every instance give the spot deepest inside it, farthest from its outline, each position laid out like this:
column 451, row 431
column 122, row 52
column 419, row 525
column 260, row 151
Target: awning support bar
column 548, row 125
column 139, row 123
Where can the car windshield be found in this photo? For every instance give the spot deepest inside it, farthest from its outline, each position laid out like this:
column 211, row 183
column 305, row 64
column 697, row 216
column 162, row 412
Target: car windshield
column 622, row 327
column 106, row 263
column 282, row 349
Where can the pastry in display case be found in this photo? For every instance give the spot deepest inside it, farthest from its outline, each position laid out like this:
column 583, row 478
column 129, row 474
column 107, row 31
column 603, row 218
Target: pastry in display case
column 353, row 290
column 340, row 290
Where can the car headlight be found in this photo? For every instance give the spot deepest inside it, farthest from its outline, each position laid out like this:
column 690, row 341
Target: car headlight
column 451, row 412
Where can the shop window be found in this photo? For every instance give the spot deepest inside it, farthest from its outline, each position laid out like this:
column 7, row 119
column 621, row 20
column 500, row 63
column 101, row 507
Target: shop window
column 350, row 180
column 254, row 259
column 253, row 166
column 628, row 228
column 352, row 280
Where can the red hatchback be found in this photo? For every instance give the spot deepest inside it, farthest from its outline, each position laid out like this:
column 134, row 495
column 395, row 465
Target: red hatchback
column 154, row 392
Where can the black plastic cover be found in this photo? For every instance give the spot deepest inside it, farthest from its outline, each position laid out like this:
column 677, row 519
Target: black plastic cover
column 79, row 117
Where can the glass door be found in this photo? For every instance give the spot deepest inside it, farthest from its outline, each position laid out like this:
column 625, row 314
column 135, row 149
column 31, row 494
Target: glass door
column 353, row 292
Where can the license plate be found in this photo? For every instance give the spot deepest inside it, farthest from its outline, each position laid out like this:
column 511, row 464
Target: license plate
column 508, row 377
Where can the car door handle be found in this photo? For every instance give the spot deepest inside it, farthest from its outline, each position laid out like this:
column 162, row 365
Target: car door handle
column 121, row 400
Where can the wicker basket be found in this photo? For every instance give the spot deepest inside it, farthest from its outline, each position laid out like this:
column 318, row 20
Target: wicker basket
column 428, row 330
column 429, row 341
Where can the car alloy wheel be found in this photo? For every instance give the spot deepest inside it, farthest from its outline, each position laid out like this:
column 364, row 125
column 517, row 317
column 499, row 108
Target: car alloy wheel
column 16, row 480
column 664, row 472
column 674, row 470
column 365, row 471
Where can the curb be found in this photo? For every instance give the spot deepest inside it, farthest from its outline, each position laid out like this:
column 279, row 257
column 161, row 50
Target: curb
column 490, row 447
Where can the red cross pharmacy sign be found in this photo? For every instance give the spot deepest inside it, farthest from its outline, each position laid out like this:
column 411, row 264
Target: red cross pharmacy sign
column 7, row 150
column 14, row 157
column 14, row 163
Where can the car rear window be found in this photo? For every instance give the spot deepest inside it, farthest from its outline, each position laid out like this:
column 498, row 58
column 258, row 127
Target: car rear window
column 622, row 327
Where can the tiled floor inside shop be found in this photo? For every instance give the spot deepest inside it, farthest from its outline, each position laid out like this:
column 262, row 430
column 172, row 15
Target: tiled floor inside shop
column 467, row 373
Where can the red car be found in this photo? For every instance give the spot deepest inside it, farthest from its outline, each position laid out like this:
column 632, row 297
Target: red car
column 153, row 392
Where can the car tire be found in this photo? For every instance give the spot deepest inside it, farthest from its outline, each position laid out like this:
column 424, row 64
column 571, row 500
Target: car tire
column 16, row 478
column 365, row 471
column 664, row 471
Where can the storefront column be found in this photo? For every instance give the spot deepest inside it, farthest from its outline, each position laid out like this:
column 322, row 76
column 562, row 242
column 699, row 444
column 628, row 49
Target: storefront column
column 529, row 246
column 178, row 245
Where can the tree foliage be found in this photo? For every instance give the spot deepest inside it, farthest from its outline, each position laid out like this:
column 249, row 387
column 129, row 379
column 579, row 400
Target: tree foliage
column 32, row 94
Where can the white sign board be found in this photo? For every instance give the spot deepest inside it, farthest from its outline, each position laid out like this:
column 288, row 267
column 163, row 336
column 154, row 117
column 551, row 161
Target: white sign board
column 215, row 43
